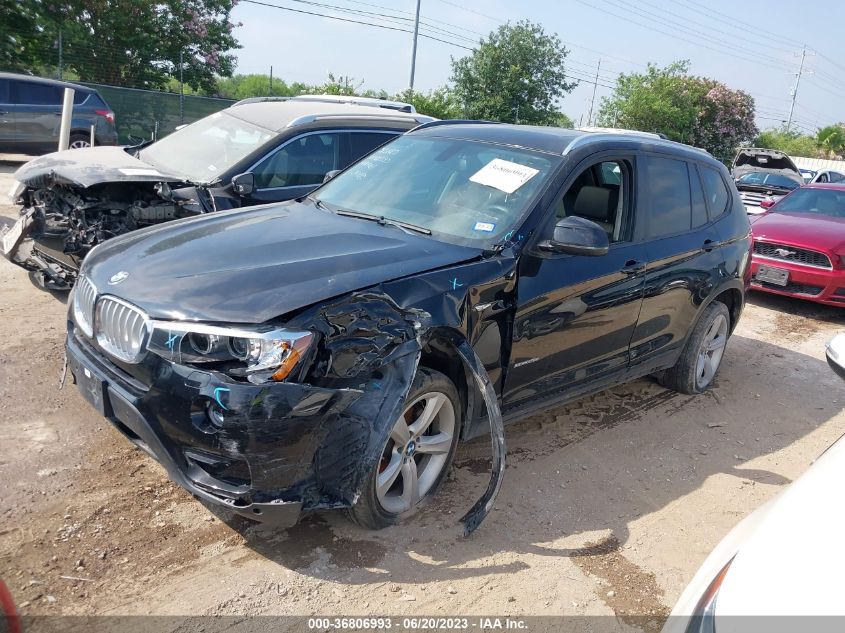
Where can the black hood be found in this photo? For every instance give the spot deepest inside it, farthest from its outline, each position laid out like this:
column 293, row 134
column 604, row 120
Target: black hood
column 90, row 166
column 249, row 266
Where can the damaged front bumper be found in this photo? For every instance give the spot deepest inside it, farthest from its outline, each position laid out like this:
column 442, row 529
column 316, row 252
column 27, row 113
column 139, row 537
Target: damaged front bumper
column 253, row 449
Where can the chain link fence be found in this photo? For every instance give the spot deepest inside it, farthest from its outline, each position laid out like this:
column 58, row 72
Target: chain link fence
column 151, row 114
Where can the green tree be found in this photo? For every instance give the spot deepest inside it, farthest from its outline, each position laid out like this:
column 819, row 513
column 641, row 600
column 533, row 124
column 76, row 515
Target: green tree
column 19, row 40
column 831, row 139
column 694, row 110
column 137, row 43
column 788, row 142
column 439, row 103
column 516, row 74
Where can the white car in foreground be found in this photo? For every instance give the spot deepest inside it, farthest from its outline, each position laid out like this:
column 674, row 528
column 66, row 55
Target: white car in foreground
column 785, row 559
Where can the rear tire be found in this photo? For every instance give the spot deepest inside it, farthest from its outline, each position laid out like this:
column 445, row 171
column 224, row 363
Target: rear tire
column 78, row 141
column 703, row 353
column 416, row 456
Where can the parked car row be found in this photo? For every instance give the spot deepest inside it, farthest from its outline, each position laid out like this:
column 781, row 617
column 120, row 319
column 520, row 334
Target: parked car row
column 330, row 351
column 257, row 151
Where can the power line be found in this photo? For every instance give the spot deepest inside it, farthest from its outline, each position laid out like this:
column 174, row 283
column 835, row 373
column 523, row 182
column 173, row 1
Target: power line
column 483, row 15
column 339, row 19
column 748, row 31
column 718, row 44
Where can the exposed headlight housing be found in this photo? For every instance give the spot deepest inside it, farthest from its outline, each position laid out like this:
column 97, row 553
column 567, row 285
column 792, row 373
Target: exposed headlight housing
column 16, row 190
column 259, row 355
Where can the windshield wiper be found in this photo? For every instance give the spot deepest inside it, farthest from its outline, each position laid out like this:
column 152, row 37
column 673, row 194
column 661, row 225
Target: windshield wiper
column 380, row 219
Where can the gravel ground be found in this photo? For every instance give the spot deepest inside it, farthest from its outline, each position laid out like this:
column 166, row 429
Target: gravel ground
column 608, row 506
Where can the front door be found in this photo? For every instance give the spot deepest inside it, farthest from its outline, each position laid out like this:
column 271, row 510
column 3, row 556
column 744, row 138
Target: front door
column 576, row 314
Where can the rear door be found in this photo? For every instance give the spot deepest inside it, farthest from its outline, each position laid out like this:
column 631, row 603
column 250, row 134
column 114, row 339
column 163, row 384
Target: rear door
column 683, row 257
column 38, row 111
column 7, row 118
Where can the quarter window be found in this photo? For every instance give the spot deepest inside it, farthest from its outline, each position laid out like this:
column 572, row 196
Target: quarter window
column 715, row 191
column 303, row 161
column 667, row 187
column 699, row 209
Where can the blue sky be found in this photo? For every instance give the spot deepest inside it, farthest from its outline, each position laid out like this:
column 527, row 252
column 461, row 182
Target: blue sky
column 752, row 45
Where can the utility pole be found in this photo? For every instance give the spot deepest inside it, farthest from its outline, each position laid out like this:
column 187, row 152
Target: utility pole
column 795, row 88
column 60, row 51
column 414, row 49
column 593, row 100
column 271, row 82
column 181, row 91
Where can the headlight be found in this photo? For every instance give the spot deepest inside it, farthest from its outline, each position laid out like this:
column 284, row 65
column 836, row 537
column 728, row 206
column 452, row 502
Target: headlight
column 259, row 355
column 703, row 619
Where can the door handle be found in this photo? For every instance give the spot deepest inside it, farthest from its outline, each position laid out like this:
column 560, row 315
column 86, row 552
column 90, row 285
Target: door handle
column 708, row 246
column 633, row 267
column 3, row 112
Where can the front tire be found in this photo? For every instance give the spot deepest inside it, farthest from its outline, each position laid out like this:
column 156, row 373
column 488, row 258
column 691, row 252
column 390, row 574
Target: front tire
column 416, row 456
column 702, row 355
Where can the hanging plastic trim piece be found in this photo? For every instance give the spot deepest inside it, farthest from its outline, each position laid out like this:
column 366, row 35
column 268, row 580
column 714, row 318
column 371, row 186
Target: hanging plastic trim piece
column 482, row 507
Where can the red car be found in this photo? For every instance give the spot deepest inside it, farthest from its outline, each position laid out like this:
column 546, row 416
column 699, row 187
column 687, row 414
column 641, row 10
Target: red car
column 799, row 245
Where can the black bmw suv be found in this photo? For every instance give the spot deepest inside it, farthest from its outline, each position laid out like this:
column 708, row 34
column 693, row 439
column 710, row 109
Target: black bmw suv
column 331, row 351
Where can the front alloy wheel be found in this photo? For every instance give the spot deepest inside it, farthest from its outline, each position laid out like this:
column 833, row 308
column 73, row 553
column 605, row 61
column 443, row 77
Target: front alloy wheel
column 417, row 454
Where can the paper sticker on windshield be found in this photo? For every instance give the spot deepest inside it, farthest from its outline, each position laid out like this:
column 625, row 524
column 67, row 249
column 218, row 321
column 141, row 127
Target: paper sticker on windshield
column 487, row 227
column 134, row 171
column 504, row 175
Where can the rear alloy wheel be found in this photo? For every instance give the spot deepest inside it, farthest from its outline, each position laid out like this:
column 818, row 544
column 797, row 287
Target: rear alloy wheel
column 702, row 355
column 78, row 141
column 417, row 454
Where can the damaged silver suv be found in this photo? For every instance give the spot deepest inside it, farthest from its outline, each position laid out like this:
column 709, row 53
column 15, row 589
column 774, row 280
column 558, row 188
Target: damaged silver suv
column 330, row 352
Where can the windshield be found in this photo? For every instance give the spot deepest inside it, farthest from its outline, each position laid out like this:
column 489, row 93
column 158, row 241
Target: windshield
column 829, row 202
column 768, row 180
column 464, row 192
column 206, row 148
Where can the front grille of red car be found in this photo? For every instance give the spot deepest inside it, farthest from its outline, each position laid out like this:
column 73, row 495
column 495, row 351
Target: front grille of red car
column 794, row 254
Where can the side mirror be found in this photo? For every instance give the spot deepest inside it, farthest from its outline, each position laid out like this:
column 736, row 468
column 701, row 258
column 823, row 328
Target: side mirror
column 243, row 184
column 331, row 174
column 767, row 203
column 577, row 236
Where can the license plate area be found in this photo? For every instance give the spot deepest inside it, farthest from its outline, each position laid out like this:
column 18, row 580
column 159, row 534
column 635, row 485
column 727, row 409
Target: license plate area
column 772, row 275
column 92, row 388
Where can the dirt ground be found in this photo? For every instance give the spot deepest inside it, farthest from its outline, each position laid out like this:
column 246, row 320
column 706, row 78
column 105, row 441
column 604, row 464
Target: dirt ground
column 608, row 506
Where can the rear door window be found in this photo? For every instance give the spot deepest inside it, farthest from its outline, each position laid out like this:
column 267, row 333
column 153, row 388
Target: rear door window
column 34, row 93
column 666, row 184
column 699, row 208
column 362, row 143
column 79, row 97
column 4, row 91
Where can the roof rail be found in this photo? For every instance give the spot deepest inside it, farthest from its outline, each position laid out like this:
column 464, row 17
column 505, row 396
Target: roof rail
column 258, row 100
column 387, row 116
column 439, row 122
column 592, row 137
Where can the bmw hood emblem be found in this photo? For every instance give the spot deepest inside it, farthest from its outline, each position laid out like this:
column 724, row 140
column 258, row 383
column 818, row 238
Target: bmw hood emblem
column 118, row 277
